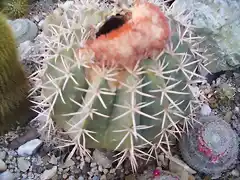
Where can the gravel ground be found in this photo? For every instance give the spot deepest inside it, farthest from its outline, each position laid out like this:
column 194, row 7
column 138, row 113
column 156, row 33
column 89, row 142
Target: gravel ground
column 25, row 156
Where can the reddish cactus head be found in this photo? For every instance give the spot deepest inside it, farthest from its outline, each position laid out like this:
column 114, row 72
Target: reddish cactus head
column 211, row 147
column 144, row 34
column 211, row 141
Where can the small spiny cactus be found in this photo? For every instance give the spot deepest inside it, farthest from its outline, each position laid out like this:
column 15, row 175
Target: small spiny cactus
column 211, row 147
column 14, row 86
column 14, row 9
column 120, row 89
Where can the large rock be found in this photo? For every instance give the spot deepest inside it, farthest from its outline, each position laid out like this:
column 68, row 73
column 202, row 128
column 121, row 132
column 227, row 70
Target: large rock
column 23, row 29
column 219, row 21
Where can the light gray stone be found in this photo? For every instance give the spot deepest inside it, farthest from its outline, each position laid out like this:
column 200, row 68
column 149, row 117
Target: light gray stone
column 49, row 174
column 7, row 175
column 23, row 164
column 100, row 168
column 82, row 165
column 163, row 160
column 40, row 24
column 105, row 171
column 228, row 116
column 53, row 160
column 81, row 178
column 29, row 148
column 68, row 164
column 112, row 171
column 177, row 166
column 102, row 159
column 24, row 30
column 87, row 159
column 219, row 22
column 36, row 18
column 235, row 173
column 205, row 110
column 3, row 166
column 3, row 154
column 93, row 164
column 25, row 49
column 103, row 177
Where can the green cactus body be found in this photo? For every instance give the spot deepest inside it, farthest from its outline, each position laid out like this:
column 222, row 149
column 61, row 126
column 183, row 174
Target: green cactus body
column 14, row 9
column 13, row 82
column 118, row 110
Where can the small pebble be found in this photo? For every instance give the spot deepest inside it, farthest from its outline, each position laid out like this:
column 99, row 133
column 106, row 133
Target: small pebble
column 228, row 116
column 29, row 148
column 3, row 166
column 105, row 171
column 81, row 178
column 82, row 165
column 236, row 109
column 40, row 24
column 88, row 159
column 36, row 18
column 3, row 155
column 23, row 164
column 30, row 134
column 112, row 171
column 68, row 164
column 7, row 175
column 205, row 110
column 71, row 178
column 176, row 165
column 90, row 173
column 103, row 177
column 235, row 173
column 93, row 164
column 53, row 160
column 49, row 174
column 102, row 158
column 95, row 178
column 163, row 161
column 100, row 168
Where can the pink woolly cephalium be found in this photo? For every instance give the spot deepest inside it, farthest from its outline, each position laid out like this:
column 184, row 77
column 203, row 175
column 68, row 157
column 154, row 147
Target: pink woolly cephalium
column 143, row 35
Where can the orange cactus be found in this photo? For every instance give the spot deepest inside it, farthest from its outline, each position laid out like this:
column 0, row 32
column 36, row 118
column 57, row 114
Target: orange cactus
column 144, row 34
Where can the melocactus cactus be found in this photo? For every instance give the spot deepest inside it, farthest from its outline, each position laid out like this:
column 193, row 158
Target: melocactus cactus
column 14, row 9
column 211, row 147
column 123, row 89
column 14, row 87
